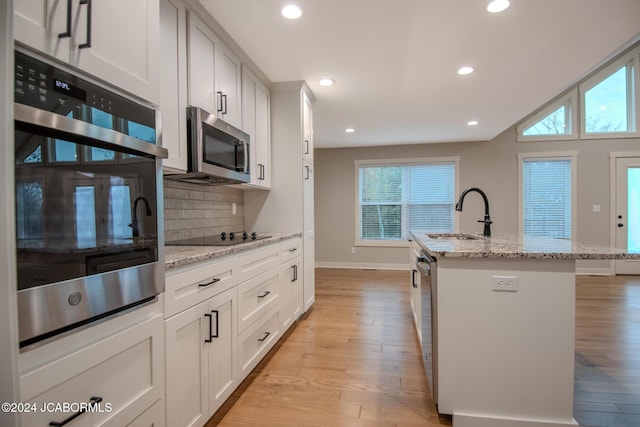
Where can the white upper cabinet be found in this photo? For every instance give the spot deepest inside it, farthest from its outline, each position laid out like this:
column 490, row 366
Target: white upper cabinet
column 256, row 120
column 114, row 40
column 214, row 74
column 173, row 91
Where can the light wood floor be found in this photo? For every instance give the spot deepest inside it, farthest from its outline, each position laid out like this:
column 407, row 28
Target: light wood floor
column 355, row 360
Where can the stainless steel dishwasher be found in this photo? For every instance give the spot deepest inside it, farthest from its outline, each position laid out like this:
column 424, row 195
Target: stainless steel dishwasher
column 427, row 266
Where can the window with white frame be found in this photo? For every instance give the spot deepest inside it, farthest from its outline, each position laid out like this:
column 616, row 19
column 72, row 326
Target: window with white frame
column 547, row 194
column 609, row 99
column 395, row 197
column 556, row 121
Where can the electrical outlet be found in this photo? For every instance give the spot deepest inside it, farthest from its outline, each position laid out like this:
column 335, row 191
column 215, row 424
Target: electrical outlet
column 505, row 283
column 353, row 250
column 234, row 209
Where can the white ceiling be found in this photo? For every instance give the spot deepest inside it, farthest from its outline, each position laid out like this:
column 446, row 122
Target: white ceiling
column 395, row 61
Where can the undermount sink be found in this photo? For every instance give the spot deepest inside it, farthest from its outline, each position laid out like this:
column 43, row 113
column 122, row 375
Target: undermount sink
column 454, row 236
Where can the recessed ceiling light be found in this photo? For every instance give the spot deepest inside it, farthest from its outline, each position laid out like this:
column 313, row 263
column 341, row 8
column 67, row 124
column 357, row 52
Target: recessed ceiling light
column 349, row 130
column 463, row 71
column 326, row 82
column 496, row 6
column 292, row 11
column 472, row 123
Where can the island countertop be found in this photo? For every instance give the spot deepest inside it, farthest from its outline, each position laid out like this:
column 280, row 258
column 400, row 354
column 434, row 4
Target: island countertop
column 513, row 246
column 177, row 256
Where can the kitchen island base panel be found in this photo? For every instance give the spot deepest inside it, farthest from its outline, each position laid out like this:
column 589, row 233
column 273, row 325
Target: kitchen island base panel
column 506, row 357
column 464, row 420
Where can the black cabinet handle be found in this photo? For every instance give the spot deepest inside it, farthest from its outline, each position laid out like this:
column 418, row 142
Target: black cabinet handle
column 620, row 225
column 87, row 43
column 214, row 280
column 306, row 146
column 224, row 103
column 308, row 169
column 219, row 108
column 68, row 32
column 293, row 249
column 264, row 295
column 211, row 334
column 92, row 401
column 295, row 272
column 413, row 278
column 266, row 334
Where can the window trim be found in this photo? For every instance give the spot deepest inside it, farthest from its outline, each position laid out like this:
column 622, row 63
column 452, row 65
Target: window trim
column 570, row 99
column 558, row 155
column 633, row 96
column 397, row 162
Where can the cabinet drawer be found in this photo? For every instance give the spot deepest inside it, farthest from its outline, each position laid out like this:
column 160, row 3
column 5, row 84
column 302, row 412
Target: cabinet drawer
column 256, row 261
column 256, row 341
column 290, row 248
column 257, row 296
column 188, row 286
column 127, row 377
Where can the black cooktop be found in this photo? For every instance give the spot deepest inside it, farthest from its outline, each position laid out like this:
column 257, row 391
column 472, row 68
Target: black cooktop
column 223, row 239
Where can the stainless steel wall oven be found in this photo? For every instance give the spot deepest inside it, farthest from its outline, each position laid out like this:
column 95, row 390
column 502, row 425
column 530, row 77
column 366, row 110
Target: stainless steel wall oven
column 89, row 226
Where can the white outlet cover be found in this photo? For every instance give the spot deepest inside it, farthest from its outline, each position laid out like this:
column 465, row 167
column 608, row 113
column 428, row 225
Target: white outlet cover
column 505, row 283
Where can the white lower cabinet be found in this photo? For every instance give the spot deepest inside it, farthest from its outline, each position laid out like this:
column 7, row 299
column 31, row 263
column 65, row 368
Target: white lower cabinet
column 115, row 380
column 201, row 359
column 222, row 317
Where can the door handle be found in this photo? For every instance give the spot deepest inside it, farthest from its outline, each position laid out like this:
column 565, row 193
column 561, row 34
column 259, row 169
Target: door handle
column 67, row 33
column 87, row 42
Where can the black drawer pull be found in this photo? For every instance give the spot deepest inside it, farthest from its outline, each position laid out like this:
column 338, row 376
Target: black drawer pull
column 214, row 280
column 92, row 401
column 293, row 249
column 264, row 295
column 266, row 334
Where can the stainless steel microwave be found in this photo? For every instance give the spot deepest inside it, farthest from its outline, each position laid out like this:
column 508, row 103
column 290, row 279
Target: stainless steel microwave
column 218, row 153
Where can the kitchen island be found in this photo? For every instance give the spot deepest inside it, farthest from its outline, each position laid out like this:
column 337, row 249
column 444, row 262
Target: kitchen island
column 505, row 327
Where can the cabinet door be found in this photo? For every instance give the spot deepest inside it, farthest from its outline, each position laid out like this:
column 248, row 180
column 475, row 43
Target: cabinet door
column 255, row 121
column 222, row 350
column 291, row 285
column 308, row 251
column 187, row 367
column 114, row 40
column 202, row 45
column 173, row 90
column 228, row 85
column 124, row 44
column 307, row 128
column 38, row 24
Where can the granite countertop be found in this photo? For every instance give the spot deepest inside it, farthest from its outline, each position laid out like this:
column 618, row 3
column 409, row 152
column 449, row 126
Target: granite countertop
column 513, row 246
column 178, row 256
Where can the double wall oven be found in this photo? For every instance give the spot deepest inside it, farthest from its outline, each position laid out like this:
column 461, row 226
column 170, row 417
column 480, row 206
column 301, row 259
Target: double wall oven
column 89, row 222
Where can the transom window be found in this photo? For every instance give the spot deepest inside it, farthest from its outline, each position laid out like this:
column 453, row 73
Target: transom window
column 607, row 102
column 396, row 197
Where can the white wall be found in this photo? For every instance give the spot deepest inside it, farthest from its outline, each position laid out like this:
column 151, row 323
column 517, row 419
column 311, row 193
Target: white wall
column 491, row 166
column 8, row 312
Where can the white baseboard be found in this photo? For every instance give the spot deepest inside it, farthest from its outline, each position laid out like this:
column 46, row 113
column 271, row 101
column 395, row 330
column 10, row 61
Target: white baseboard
column 600, row 271
column 362, row 266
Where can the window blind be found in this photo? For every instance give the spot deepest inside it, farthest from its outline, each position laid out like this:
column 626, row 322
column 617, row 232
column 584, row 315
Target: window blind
column 395, row 199
column 547, row 198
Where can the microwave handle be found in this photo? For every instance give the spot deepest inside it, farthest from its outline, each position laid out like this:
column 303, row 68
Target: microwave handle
column 245, row 147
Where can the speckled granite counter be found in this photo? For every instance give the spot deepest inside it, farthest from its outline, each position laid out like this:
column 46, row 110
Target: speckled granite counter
column 177, row 256
column 511, row 246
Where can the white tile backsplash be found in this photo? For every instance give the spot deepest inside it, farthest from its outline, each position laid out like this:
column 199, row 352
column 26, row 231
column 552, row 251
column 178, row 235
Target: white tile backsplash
column 192, row 210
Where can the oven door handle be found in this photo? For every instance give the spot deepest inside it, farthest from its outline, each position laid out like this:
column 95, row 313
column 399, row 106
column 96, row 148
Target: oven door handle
column 58, row 125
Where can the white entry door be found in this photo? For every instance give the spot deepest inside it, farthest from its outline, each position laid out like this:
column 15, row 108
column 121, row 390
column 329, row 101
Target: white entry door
column 628, row 212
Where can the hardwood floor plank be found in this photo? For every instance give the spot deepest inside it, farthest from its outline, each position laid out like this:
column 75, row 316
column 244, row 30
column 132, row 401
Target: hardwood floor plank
column 355, row 361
